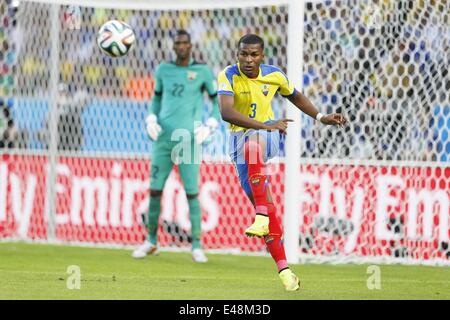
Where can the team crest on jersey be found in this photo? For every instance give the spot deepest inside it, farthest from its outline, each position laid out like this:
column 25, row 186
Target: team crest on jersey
column 265, row 89
column 191, row 75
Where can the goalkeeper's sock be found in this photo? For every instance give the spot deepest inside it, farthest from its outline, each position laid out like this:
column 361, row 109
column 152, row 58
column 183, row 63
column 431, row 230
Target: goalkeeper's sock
column 256, row 175
column 153, row 219
column 196, row 220
column 274, row 240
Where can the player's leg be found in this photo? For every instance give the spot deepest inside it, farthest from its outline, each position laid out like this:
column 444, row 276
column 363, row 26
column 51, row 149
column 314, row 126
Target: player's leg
column 190, row 175
column 275, row 246
column 150, row 245
column 274, row 243
column 160, row 170
column 254, row 153
column 268, row 148
column 154, row 211
column 196, row 219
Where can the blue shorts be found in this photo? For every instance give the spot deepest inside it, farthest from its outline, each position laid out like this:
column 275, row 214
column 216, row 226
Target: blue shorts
column 273, row 141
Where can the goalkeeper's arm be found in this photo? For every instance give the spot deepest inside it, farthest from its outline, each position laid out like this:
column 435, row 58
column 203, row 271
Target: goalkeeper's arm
column 204, row 131
column 155, row 105
column 215, row 113
column 151, row 121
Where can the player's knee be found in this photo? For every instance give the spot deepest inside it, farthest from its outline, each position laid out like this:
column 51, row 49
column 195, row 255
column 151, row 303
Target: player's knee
column 252, row 146
column 192, row 196
column 250, row 197
column 270, row 206
column 253, row 151
column 155, row 193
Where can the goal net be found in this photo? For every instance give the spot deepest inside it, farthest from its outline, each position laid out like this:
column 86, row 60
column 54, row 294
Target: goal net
column 378, row 188
column 75, row 165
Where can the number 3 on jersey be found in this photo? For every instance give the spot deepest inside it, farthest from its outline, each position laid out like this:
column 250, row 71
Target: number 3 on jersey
column 253, row 110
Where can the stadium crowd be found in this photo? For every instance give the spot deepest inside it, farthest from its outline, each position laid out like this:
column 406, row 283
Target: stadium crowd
column 362, row 68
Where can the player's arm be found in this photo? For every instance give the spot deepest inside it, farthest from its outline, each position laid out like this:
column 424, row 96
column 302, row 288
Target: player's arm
column 204, row 131
column 305, row 105
column 229, row 114
column 151, row 121
column 299, row 100
column 155, row 105
column 211, row 88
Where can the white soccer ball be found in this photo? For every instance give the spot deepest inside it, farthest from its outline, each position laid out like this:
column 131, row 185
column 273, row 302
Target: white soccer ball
column 115, row 38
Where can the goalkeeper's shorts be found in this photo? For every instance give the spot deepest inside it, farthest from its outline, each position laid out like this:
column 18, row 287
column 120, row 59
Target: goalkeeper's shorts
column 274, row 141
column 162, row 164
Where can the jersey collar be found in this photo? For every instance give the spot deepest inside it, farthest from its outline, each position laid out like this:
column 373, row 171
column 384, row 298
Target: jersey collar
column 191, row 62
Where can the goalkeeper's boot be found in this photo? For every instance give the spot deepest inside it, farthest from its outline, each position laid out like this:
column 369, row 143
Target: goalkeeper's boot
column 259, row 228
column 290, row 280
column 145, row 249
column 199, row 256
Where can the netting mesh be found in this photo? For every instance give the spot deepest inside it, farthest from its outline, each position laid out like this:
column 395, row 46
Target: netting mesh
column 374, row 211
column 121, row 88
column 384, row 64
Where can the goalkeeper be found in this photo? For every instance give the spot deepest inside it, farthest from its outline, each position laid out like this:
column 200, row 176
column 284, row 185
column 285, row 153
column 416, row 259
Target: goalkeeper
column 245, row 93
column 177, row 104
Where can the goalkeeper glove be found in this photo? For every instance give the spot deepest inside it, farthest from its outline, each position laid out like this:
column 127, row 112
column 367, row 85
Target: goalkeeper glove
column 202, row 132
column 153, row 128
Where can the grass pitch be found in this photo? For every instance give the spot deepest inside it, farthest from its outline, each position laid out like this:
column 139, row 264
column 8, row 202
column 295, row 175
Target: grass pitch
column 34, row 271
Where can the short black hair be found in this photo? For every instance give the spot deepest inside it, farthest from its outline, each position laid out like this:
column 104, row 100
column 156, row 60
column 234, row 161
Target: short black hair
column 251, row 39
column 182, row 32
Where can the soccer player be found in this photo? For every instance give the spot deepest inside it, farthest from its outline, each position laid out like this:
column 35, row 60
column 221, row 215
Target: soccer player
column 177, row 105
column 245, row 92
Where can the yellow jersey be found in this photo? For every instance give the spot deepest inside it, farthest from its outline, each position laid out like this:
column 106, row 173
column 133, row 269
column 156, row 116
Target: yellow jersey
column 253, row 96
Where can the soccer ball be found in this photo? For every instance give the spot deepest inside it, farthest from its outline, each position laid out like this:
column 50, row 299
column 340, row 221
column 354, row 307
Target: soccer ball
column 115, row 38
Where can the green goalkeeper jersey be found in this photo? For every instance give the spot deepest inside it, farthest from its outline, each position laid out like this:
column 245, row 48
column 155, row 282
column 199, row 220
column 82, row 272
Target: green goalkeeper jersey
column 179, row 96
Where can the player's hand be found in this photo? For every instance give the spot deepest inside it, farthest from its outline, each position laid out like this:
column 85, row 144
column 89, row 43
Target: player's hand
column 280, row 125
column 202, row 132
column 334, row 119
column 153, row 128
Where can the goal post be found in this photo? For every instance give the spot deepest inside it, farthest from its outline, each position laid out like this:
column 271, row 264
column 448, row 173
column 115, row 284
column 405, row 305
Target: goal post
column 291, row 219
column 374, row 191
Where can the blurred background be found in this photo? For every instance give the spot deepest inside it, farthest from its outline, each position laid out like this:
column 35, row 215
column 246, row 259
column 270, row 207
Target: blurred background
column 384, row 63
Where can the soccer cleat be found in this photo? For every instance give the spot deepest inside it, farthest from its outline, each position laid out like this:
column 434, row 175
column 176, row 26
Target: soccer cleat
column 290, row 280
column 259, row 228
column 145, row 249
column 199, row 256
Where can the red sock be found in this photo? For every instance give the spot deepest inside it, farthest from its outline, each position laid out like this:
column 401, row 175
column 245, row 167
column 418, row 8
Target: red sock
column 274, row 241
column 256, row 175
column 258, row 184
